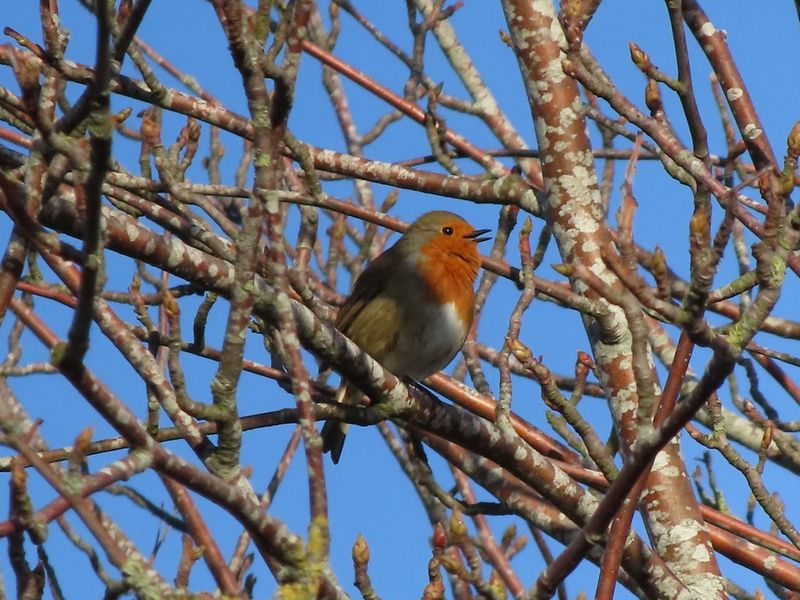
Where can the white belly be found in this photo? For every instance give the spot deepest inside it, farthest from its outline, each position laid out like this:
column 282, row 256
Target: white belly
column 428, row 347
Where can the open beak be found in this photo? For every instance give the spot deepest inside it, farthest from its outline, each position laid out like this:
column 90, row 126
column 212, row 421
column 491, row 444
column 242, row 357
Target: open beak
column 476, row 235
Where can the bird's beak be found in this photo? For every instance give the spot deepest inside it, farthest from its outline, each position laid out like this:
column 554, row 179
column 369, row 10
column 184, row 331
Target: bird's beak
column 476, row 234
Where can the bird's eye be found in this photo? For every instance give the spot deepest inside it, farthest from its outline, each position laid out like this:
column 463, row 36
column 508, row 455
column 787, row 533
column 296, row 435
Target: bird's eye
column 447, row 230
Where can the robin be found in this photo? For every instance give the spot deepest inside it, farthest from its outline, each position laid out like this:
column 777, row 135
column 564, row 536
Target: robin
column 412, row 307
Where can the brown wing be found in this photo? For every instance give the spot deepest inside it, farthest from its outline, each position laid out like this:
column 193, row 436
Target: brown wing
column 369, row 284
column 373, row 313
column 355, row 319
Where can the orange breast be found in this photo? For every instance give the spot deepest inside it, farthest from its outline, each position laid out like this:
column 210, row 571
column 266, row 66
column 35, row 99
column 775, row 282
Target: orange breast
column 449, row 276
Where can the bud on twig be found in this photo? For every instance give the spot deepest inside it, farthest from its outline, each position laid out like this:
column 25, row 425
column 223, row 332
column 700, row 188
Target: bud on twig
column 136, row 284
column 659, row 263
column 360, row 551
column 699, row 228
column 766, row 439
column 520, row 351
column 122, row 115
column 585, row 360
column 497, row 586
column 81, row 446
column 458, row 529
column 450, row 564
column 434, row 591
column 527, row 227
column 193, row 130
column 793, row 141
column 439, row 539
column 170, row 304
column 390, row 200
column 19, row 480
column 508, row 536
column 652, row 96
column 639, row 57
column 563, row 269
column 150, row 128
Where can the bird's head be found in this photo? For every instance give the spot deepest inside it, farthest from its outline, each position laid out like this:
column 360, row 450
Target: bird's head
column 444, row 237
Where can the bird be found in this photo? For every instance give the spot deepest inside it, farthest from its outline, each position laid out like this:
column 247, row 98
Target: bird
column 412, row 307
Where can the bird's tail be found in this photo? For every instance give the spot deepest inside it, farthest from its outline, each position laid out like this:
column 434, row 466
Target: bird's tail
column 334, row 432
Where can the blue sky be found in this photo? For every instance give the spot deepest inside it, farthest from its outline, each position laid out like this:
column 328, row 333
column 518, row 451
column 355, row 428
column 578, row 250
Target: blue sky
column 367, row 492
